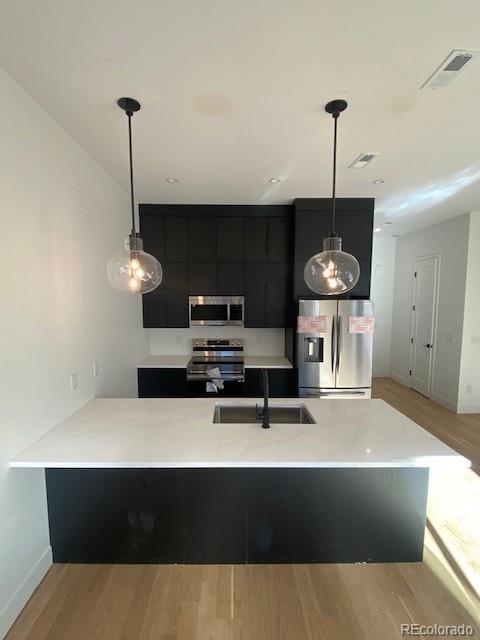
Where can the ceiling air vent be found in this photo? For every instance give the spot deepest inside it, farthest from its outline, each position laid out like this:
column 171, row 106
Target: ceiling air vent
column 362, row 160
column 453, row 64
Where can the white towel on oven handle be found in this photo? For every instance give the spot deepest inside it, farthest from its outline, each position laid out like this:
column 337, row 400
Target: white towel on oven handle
column 216, row 382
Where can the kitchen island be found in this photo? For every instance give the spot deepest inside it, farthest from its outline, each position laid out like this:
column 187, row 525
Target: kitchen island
column 156, row 480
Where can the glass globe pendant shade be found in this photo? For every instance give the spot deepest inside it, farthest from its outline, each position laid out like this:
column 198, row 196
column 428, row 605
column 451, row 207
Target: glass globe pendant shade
column 332, row 271
column 134, row 271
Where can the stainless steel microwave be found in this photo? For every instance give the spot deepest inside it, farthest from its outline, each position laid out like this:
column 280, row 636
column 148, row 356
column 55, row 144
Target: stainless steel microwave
column 216, row 311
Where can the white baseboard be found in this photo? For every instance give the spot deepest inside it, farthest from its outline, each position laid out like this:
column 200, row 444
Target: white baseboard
column 400, row 379
column 448, row 404
column 20, row 597
column 381, row 374
column 468, row 408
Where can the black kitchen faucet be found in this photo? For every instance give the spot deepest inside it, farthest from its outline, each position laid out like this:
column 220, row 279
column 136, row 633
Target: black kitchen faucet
column 265, row 413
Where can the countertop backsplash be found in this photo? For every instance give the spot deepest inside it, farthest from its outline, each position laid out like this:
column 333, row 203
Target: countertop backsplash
column 178, row 342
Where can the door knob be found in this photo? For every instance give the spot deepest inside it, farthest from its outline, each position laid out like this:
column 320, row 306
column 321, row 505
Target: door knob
column 429, row 346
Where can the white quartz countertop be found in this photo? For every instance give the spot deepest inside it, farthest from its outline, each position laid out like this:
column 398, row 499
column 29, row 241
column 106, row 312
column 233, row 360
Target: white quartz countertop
column 175, row 433
column 180, row 362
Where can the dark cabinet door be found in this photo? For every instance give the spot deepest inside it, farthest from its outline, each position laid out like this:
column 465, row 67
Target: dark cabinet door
column 256, row 294
column 215, row 508
column 279, row 295
column 311, row 227
column 153, row 233
column 115, row 515
column 354, row 221
column 356, row 231
column 155, row 307
column 162, row 383
column 230, row 239
column 176, row 286
column 176, row 246
column 256, row 230
column 202, row 278
column 279, row 246
column 230, row 278
column 202, row 239
column 283, row 526
column 282, row 383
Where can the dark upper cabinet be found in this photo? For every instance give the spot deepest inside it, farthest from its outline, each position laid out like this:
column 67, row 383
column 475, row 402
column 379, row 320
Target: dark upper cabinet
column 256, row 230
column 256, row 275
column 155, row 306
column 202, row 278
column 220, row 250
column 279, row 307
column 153, row 233
column 176, row 287
column 176, row 245
column 310, row 229
column 202, row 239
column 354, row 224
column 230, row 239
column 279, row 242
column 230, row 279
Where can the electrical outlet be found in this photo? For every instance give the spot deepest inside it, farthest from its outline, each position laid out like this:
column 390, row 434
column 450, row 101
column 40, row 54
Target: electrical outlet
column 73, row 381
column 450, row 338
column 469, row 388
column 178, row 339
column 96, row 368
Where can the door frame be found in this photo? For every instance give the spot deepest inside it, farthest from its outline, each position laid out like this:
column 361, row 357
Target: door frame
column 437, row 257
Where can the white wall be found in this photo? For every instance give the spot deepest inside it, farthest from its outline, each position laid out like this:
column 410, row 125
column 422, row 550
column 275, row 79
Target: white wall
column 61, row 218
column 469, row 387
column 449, row 240
column 382, row 286
column 259, row 342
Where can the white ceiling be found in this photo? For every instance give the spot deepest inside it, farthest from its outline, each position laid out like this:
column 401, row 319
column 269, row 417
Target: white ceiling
column 233, row 94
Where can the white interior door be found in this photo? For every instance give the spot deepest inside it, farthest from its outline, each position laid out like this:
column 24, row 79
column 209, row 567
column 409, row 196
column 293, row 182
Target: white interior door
column 422, row 337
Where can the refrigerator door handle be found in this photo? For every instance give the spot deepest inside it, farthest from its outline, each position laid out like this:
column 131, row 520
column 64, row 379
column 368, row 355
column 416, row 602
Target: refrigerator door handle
column 332, row 347
column 339, row 329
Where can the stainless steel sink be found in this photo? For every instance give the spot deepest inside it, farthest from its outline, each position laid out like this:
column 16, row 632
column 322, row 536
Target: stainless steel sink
column 241, row 413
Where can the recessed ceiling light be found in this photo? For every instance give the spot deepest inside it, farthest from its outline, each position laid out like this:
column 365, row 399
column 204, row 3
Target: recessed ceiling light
column 171, row 180
column 378, row 181
column 274, row 180
column 378, row 229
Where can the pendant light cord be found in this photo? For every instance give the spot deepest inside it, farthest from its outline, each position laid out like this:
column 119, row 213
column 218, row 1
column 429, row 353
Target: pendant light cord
column 129, row 114
column 335, row 118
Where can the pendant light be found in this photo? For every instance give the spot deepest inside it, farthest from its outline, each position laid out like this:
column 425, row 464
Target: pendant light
column 332, row 271
column 133, row 271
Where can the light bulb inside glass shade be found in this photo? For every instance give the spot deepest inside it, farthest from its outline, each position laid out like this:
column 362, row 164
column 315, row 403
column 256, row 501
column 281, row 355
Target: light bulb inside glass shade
column 134, row 271
column 332, row 271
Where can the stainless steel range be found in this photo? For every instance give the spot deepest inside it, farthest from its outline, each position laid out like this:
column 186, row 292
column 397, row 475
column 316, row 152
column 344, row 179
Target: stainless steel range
column 210, row 354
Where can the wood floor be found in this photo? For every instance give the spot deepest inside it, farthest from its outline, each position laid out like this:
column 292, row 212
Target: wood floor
column 461, row 432
column 286, row 602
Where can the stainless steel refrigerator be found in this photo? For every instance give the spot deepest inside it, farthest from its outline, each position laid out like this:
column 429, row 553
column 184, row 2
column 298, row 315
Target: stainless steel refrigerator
column 334, row 348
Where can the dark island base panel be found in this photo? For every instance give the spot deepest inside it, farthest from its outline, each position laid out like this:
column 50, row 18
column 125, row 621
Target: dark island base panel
column 237, row 515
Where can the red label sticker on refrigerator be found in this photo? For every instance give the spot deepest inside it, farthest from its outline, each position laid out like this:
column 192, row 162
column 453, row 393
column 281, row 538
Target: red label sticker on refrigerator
column 361, row 324
column 312, row 324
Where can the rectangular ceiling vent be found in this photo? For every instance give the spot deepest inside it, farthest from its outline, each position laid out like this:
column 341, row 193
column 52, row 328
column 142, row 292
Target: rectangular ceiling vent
column 362, row 160
column 453, row 64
